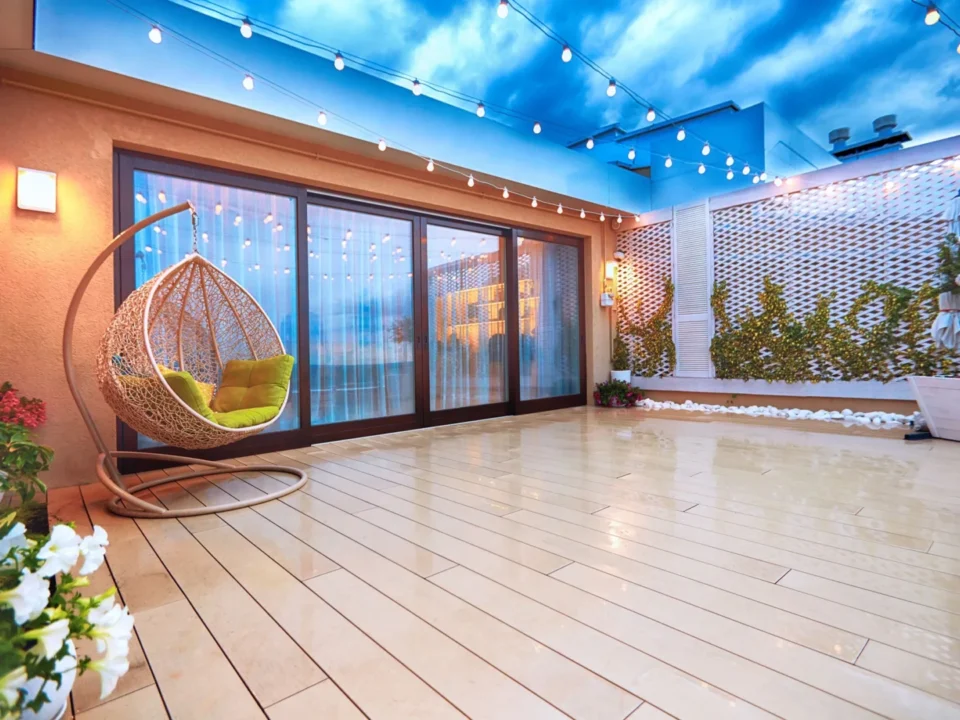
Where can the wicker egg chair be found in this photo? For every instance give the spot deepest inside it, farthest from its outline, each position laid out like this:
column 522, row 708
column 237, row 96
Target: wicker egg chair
column 189, row 321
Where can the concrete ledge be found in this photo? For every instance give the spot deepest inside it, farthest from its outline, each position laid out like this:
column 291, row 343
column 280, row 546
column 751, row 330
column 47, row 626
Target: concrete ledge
column 857, row 389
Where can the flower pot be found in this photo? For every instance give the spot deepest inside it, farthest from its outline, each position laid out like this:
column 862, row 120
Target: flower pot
column 622, row 375
column 58, row 696
column 939, row 401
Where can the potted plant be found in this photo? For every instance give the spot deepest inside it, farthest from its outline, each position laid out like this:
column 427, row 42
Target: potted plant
column 616, row 393
column 21, row 459
column 620, row 360
column 939, row 397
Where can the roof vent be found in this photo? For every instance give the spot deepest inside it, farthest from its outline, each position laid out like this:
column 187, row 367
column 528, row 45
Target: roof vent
column 838, row 138
column 884, row 125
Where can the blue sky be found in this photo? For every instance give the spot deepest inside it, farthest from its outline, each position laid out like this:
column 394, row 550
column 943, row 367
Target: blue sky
column 820, row 63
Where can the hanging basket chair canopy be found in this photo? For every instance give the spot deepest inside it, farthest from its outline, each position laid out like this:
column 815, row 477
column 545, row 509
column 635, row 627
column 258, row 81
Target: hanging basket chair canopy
column 191, row 317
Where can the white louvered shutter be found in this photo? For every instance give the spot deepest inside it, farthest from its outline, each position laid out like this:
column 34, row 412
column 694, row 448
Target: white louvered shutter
column 692, row 276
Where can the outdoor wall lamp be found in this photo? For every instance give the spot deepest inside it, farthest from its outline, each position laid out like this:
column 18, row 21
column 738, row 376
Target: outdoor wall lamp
column 36, row 190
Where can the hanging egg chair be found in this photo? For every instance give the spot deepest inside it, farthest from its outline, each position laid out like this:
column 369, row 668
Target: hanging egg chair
column 190, row 360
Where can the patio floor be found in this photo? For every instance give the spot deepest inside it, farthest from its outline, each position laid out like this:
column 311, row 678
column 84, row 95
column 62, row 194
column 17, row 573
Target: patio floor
column 583, row 563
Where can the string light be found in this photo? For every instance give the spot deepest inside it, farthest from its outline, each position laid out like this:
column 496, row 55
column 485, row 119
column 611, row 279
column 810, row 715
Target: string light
column 246, row 29
column 417, row 90
column 430, row 166
column 612, row 88
column 702, row 169
column 668, row 162
column 729, row 174
column 481, row 110
column 631, row 154
column 619, row 220
column 338, row 62
column 217, row 209
column 533, row 203
column 746, row 169
column 602, row 216
column 933, row 15
column 763, row 176
column 503, row 8
column 162, row 196
column 777, row 181
column 248, row 82
column 566, row 54
column 321, row 118
column 583, row 214
column 559, row 209
column 470, row 181
column 382, row 145
column 681, row 134
column 636, row 218
column 156, row 37
column 651, row 115
column 706, row 149
column 590, row 143
column 506, row 193
column 729, row 160
column 756, row 179
column 536, row 128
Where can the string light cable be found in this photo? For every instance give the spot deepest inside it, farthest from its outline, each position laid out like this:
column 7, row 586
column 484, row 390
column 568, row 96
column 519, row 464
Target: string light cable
column 377, row 138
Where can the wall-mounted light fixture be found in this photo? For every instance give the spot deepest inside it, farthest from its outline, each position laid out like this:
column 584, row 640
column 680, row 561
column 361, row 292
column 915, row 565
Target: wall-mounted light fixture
column 36, row 190
column 610, row 270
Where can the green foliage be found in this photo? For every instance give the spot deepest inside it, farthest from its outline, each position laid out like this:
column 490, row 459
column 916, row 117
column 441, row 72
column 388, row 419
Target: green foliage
column 948, row 267
column 774, row 344
column 654, row 346
column 621, row 354
column 616, row 393
column 21, row 462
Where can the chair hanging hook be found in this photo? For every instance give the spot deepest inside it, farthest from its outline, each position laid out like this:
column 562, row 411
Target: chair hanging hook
column 194, row 222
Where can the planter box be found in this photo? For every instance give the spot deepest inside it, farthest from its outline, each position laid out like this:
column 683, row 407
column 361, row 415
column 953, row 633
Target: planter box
column 939, row 401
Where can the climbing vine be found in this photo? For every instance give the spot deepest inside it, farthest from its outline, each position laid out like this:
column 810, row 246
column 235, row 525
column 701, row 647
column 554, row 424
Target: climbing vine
column 775, row 344
column 654, row 352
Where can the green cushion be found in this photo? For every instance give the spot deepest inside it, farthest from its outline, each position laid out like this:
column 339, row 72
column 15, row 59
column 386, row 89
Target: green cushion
column 186, row 388
column 246, row 417
column 253, row 384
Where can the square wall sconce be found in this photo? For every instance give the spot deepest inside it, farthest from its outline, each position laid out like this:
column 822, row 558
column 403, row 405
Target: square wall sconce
column 36, row 190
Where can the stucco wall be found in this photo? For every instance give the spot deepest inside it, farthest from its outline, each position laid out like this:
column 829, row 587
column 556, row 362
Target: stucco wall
column 43, row 256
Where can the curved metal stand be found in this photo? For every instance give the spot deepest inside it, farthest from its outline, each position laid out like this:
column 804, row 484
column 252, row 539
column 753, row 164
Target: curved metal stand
column 107, row 470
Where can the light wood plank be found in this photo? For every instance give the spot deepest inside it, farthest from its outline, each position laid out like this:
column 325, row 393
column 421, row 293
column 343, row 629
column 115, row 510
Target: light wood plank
column 143, row 704
column 933, row 677
column 324, row 700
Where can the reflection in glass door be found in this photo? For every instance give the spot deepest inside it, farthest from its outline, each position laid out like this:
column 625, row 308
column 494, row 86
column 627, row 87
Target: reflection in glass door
column 361, row 315
column 466, row 318
column 548, row 290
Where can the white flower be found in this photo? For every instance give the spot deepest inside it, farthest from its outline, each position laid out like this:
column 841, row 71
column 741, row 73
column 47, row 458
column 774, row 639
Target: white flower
column 92, row 549
column 28, row 599
column 111, row 669
column 51, row 637
column 95, row 616
column 16, row 537
column 112, row 630
column 10, row 685
column 61, row 551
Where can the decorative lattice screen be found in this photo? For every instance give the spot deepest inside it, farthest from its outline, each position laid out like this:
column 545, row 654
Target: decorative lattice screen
column 640, row 277
column 882, row 227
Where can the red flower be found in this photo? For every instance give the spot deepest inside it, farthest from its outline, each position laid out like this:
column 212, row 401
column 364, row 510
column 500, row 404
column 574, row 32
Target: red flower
column 28, row 412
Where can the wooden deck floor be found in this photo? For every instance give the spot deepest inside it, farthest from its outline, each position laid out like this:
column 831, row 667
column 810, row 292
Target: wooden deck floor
column 583, row 563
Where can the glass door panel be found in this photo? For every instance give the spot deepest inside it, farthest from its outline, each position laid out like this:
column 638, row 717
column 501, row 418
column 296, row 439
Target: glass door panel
column 466, row 318
column 361, row 315
column 548, row 289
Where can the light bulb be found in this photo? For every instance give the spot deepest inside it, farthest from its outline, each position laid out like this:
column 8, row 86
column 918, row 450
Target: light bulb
column 559, row 209
column 756, row 179
column 651, row 115
column 481, row 110
column 503, row 8
column 162, row 196
column 156, row 37
column 321, row 118
column 636, row 218
column 631, row 154
column 602, row 216
column 248, row 82
column 382, row 145
column 470, row 181
column 590, row 143
column 763, row 177
column 533, row 203
column 566, row 54
column 729, row 160
column 268, row 218
column 217, row 209
column 430, row 166
column 681, row 135
column 933, row 15
column 705, row 150
column 338, row 61
column 702, row 169
column 583, row 214
column 619, row 220
column 246, row 29
column 777, row 181
column 612, row 88
column 506, row 193
column 668, row 162
column 536, row 128
column 958, row 52
column 729, row 174
column 349, row 234
column 746, row 169
column 416, row 87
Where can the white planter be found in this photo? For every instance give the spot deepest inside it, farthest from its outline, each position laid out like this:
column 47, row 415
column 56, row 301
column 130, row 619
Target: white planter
column 57, row 706
column 939, row 401
column 623, row 375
